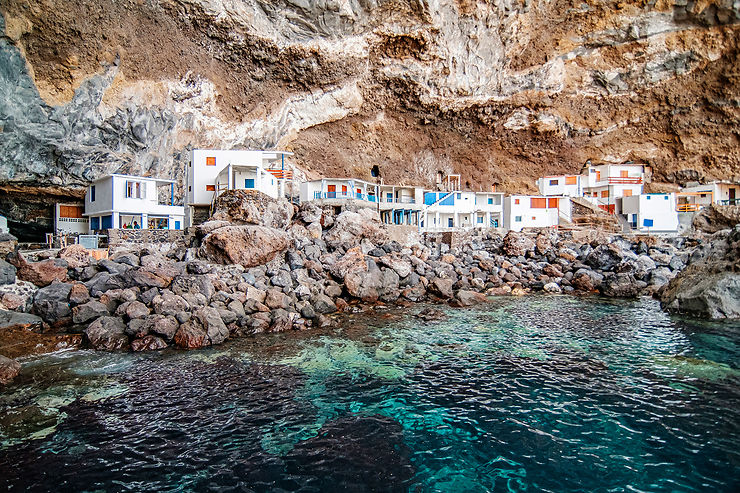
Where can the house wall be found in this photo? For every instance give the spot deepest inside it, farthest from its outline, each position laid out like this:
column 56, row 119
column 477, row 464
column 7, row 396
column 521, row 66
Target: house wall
column 199, row 174
column 65, row 224
column 529, row 217
column 103, row 196
column 651, row 212
column 560, row 188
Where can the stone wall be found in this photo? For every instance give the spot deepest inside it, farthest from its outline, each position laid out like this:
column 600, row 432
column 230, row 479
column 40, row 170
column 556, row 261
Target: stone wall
column 140, row 237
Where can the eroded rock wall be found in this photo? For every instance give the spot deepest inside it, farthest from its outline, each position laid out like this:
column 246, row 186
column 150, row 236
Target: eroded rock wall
column 499, row 90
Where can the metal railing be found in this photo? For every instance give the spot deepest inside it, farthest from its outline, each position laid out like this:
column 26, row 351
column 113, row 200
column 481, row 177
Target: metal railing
column 402, row 200
column 729, row 202
column 345, row 195
column 625, row 180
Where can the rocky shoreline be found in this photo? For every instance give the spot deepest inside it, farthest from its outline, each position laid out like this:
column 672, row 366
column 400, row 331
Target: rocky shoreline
column 274, row 269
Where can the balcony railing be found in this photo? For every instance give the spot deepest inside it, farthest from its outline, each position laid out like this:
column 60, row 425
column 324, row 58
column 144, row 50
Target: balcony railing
column 402, row 200
column 730, row 202
column 345, row 195
column 688, row 207
column 625, row 180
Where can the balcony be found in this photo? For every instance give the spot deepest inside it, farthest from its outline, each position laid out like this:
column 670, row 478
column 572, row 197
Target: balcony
column 402, row 200
column 625, row 180
column 344, row 195
column 730, row 202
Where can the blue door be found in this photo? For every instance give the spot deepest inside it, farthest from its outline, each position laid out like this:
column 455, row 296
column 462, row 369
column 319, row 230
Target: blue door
column 449, row 222
column 249, row 183
column 177, row 224
column 107, row 222
column 94, row 223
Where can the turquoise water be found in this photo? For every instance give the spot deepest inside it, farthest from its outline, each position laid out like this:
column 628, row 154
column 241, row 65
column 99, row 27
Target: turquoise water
column 520, row 394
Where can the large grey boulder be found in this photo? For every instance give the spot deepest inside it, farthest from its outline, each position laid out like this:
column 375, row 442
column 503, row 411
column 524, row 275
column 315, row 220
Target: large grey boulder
column 89, row 311
column 323, row 304
column 52, row 302
column 703, row 294
column 604, row 257
column 7, row 273
column 216, row 330
column 107, row 333
column 350, row 228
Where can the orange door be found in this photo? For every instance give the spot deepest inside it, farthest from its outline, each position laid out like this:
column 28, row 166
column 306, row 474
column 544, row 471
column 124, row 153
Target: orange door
column 344, row 189
column 332, row 188
column 331, row 191
column 598, row 176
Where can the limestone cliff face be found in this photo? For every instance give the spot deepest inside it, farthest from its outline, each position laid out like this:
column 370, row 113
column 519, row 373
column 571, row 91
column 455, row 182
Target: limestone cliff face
column 497, row 90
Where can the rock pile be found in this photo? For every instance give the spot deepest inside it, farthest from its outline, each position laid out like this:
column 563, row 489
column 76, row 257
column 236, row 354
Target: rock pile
column 251, row 278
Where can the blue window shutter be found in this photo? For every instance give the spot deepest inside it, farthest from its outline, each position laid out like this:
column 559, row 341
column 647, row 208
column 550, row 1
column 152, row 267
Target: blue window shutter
column 249, row 183
column 177, row 224
column 648, row 223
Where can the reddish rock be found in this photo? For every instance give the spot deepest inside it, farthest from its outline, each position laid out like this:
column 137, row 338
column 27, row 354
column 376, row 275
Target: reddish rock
column 39, row 273
column 582, row 282
column 13, row 301
column 9, row 369
column 517, row 244
column 247, row 245
column 79, row 294
column 148, row 343
column 75, row 255
column 352, row 261
column 190, row 335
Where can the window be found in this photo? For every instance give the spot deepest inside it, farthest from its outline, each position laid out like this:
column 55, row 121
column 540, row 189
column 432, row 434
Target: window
column 534, row 218
column 517, row 219
column 648, row 197
column 449, row 222
column 553, row 182
column 490, row 200
column 516, row 201
column 70, row 211
column 665, row 197
column 210, row 188
column 249, row 183
column 458, row 195
column 210, row 161
column 624, row 174
column 604, row 193
column 94, row 223
column 92, row 194
column 135, row 190
column 538, row 202
column 598, row 176
column 571, row 180
column 480, row 220
column 626, row 193
column 552, row 203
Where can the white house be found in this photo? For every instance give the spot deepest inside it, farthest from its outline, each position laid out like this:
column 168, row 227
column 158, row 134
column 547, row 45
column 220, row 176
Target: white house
column 604, row 183
column 400, row 204
column 527, row 211
column 565, row 185
column 211, row 171
column 457, row 209
column 137, row 202
column 695, row 196
column 337, row 191
column 651, row 212
column 70, row 219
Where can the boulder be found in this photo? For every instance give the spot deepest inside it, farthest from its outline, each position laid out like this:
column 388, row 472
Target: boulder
column 351, row 227
column 216, row 330
column 148, row 343
column 431, row 314
column 323, row 304
column 14, row 320
column 469, row 298
column 102, row 282
column 621, row 285
column 165, row 326
column 7, row 273
column 277, row 299
column 190, row 335
column 107, row 333
column 552, row 288
column 89, row 311
column 79, row 294
column 400, row 266
column 247, row 245
column 703, row 294
column 365, row 285
column 8, row 243
column 9, row 369
column 441, row 287
column 517, row 244
column 246, row 207
column 169, row 304
column 52, row 303
column 40, row 273
column 75, row 255
column 352, row 261
column 136, row 309
column 604, row 257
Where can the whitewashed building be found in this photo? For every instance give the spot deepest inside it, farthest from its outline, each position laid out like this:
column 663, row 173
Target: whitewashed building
column 337, row 191
column 132, row 202
column 212, row 171
column 695, row 196
column 564, row 185
column 461, row 210
column 70, row 219
column 400, row 204
column 602, row 184
column 651, row 212
column 527, row 211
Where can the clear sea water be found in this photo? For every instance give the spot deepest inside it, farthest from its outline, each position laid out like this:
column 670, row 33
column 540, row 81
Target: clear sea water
column 540, row 393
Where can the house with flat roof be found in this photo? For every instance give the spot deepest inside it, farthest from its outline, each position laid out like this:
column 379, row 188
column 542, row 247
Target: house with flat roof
column 460, row 210
column 529, row 211
column 695, row 196
column 212, row 171
column 564, row 185
column 400, row 204
column 651, row 212
column 602, row 184
column 132, row 202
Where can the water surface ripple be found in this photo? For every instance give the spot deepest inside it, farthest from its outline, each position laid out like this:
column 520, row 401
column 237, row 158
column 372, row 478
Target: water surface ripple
column 521, row 394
